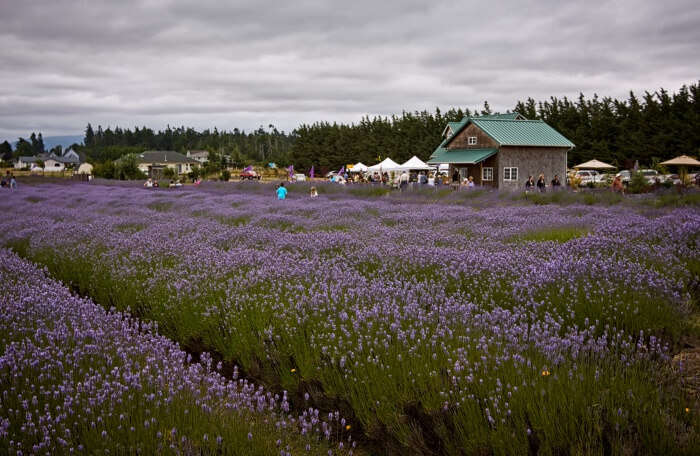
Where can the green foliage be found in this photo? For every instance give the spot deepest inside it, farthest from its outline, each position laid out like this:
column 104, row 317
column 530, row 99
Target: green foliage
column 638, row 183
column 23, row 148
column 169, row 173
column 5, row 151
column 127, row 168
column 195, row 173
column 556, row 234
column 225, row 175
column 235, row 147
column 105, row 170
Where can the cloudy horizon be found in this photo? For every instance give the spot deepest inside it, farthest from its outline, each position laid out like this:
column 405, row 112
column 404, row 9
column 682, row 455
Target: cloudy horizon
column 206, row 65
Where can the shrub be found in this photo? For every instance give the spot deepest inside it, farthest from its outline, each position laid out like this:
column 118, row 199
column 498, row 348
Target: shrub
column 638, row 183
column 225, row 175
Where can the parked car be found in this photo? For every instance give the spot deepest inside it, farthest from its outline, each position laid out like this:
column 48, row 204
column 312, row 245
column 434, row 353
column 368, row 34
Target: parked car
column 652, row 175
column 624, row 175
column 249, row 175
column 299, row 178
column 589, row 177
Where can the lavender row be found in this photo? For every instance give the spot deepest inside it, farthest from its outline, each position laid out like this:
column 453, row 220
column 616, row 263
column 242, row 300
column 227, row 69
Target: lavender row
column 465, row 314
column 78, row 379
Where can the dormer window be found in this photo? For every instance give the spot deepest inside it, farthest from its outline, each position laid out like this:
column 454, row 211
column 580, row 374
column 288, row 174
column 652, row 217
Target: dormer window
column 472, row 141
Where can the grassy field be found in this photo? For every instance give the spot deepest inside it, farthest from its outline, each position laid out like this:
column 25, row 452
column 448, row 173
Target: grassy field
column 434, row 322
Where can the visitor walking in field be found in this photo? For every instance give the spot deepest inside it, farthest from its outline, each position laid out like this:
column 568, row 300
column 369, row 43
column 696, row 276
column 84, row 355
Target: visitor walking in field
column 541, row 184
column 556, row 183
column 13, row 182
column 529, row 185
column 314, row 193
column 281, row 192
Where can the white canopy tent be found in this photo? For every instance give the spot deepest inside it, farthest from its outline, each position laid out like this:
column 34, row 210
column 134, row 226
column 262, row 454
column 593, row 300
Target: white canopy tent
column 387, row 165
column 358, row 167
column 415, row 164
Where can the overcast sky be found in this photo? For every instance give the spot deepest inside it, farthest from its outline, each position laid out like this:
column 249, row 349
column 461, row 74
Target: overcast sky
column 205, row 63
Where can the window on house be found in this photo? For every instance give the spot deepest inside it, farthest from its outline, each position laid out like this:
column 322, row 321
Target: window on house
column 510, row 174
column 487, row 174
column 472, row 140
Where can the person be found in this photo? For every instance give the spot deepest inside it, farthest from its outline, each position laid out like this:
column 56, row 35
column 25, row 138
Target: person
column 617, row 185
column 455, row 177
column 314, row 193
column 529, row 185
column 403, row 181
column 555, row 182
column 148, row 183
column 470, row 182
column 13, row 182
column 281, row 191
column 155, row 183
column 541, row 184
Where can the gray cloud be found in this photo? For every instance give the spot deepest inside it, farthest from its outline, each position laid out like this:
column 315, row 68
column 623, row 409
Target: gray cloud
column 210, row 63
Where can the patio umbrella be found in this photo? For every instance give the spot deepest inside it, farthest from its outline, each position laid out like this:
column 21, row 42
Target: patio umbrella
column 594, row 164
column 683, row 160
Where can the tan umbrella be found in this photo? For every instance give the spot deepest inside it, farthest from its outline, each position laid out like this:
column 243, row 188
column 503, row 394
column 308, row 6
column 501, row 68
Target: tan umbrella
column 683, row 160
column 594, row 164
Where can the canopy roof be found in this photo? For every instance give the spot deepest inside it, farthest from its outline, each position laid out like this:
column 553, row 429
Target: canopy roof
column 386, row 165
column 461, row 156
column 594, row 164
column 358, row 167
column 683, row 160
column 415, row 163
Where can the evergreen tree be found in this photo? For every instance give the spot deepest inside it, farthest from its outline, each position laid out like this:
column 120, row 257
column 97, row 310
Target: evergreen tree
column 6, row 151
column 23, row 148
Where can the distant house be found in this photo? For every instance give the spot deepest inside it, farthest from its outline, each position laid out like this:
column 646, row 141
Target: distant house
column 52, row 162
column 502, row 150
column 25, row 162
column 153, row 162
column 202, row 156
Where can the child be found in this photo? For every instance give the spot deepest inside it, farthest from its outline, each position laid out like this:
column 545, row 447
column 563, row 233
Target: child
column 314, row 193
column 281, row 192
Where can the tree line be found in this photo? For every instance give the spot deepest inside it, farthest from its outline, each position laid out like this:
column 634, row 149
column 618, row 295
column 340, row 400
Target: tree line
column 654, row 127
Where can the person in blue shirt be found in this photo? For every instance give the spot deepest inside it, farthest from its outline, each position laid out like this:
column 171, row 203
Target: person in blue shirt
column 281, row 192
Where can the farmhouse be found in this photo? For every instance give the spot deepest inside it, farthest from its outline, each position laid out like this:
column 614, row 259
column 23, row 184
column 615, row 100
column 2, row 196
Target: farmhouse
column 52, row 162
column 502, row 150
column 153, row 162
column 202, row 156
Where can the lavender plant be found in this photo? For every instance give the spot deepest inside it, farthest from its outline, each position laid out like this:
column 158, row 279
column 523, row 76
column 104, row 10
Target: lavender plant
column 77, row 379
column 446, row 328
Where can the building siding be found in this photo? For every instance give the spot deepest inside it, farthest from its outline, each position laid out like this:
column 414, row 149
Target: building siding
column 531, row 161
column 483, row 141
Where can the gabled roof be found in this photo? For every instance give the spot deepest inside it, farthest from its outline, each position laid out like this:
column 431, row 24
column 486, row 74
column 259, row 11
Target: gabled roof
column 518, row 132
column 452, row 126
column 163, row 156
column 461, row 156
column 505, row 116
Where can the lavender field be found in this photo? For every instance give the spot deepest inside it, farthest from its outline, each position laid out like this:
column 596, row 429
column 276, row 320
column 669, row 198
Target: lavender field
column 410, row 324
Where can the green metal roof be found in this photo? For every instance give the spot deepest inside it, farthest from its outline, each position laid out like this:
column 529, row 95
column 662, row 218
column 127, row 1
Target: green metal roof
column 519, row 132
column 462, row 156
column 454, row 126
